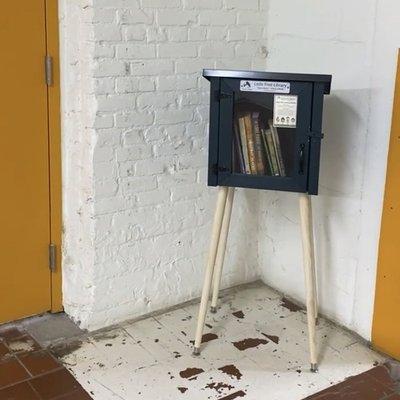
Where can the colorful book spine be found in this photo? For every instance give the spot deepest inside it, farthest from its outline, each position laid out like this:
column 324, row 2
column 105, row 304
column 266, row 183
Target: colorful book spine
column 272, row 153
column 250, row 143
column 277, row 145
column 266, row 150
column 243, row 141
column 258, row 146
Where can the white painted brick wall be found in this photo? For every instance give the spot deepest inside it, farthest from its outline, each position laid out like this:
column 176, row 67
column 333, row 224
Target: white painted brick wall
column 142, row 161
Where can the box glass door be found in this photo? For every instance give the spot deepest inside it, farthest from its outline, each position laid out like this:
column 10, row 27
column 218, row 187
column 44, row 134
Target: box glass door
column 264, row 135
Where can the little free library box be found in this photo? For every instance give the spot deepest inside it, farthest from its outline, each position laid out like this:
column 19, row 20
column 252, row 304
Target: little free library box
column 265, row 129
column 265, row 133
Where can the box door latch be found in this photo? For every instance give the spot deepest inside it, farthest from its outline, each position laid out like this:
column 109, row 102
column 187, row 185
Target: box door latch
column 52, row 257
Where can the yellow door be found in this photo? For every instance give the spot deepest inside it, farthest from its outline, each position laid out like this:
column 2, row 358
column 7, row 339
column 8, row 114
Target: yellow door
column 386, row 324
column 25, row 281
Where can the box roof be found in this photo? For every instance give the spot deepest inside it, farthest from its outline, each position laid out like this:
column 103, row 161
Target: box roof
column 275, row 76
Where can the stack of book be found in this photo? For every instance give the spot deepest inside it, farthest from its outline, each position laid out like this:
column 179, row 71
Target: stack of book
column 256, row 146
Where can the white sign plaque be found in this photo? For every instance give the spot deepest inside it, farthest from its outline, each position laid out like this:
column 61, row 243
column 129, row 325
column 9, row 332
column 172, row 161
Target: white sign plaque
column 265, row 86
column 285, row 111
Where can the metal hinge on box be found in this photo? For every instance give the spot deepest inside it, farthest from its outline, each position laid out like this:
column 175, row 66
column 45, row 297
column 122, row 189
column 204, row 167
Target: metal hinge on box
column 316, row 135
column 48, row 64
column 216, row 168
column 52, row 257
column 222, row 95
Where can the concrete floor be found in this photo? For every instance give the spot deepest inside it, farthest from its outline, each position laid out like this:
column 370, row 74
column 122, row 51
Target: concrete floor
column 256, row 347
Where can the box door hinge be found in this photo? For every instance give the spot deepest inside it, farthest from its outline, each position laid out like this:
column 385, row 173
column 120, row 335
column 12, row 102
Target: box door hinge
column 49, row 70
column 223, row 95
column 316, row 135
column 217, row 168
column 52, row 257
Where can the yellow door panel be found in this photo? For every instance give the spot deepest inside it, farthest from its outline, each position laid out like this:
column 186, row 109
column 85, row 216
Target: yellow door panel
column 24, row 162
column 386, row 324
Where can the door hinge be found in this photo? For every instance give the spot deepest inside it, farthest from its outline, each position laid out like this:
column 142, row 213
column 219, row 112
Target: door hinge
column 52, row 257
column 48, row 63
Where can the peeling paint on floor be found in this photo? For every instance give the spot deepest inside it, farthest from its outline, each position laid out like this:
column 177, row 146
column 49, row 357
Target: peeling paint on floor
column 262, row 355
column 249, row 343
column 238, row 314
column 232, row 371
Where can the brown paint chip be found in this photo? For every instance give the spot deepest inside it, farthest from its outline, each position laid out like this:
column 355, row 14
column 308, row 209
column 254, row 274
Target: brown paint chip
column 249, row 343
column 231, row 370
column 272, row 338
column 190, row 372
column 290, row 305
column 219, row 386
column 207, row 337
column 233, row 396
column 182, row 389
column 238, row 314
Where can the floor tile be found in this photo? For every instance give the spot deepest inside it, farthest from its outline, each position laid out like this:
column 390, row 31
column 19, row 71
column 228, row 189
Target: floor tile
column 21, row 391
column 12, row 372
column 47, row 328
column 119, row 348
column 38, row 362
column 54, row 384
column 77, row 395
column 365, row 386
column 157, row 340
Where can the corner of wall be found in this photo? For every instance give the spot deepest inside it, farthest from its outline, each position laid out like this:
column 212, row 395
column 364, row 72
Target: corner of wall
column 78, row 141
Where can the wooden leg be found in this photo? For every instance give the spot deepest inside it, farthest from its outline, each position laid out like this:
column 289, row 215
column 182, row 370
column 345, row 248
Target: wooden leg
column 314, row 271
column 215, row 234
column 219, row 263
column 309, row 270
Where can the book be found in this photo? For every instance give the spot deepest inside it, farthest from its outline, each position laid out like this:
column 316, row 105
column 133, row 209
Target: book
column 277, row 145
column 243, row 141
column 272, row 152
column 266, row 151
column 258, row 145
column 237, row 151
column 250, row 143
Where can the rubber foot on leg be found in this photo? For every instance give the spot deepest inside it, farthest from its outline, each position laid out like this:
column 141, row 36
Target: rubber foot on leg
column 314, row 368
column 213, row 310
column 196, row 351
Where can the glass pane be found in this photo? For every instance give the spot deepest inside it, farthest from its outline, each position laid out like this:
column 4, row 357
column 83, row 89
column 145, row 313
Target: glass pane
column 258, row 146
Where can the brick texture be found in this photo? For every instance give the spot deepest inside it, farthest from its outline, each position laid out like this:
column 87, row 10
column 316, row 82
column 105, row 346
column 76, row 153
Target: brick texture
column 138, row 151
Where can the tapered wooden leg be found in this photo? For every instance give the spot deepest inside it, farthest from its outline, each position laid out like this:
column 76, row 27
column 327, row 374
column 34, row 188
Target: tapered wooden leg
column 309, row 270
column 219, row 263
column 314, row 280
column 215, row 234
